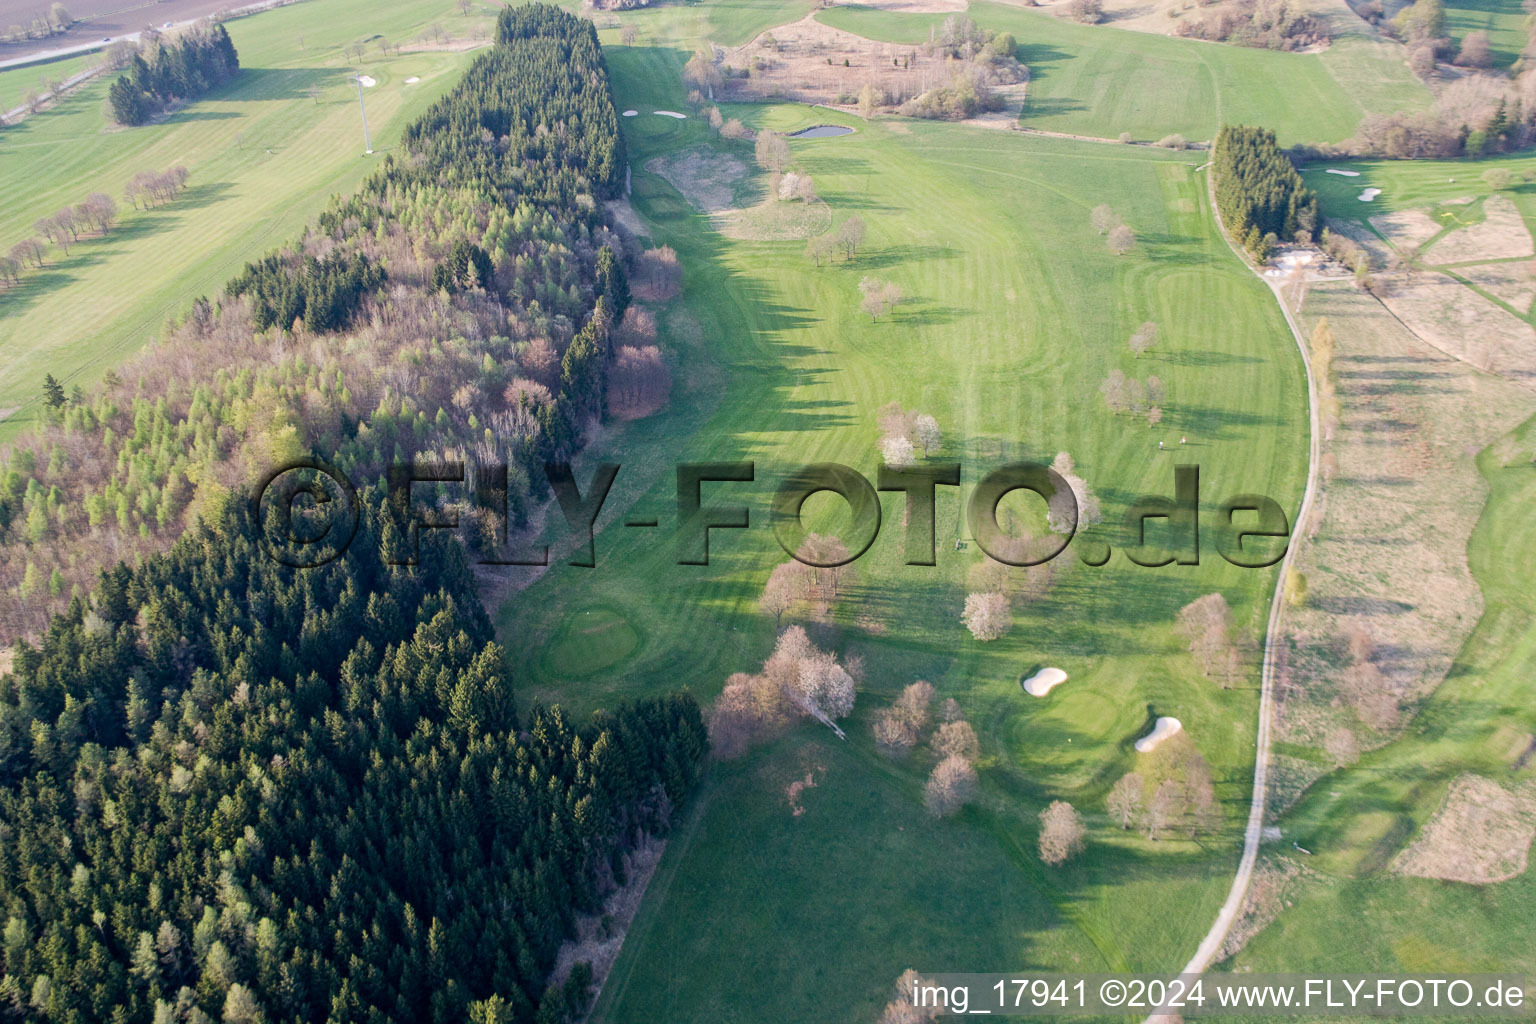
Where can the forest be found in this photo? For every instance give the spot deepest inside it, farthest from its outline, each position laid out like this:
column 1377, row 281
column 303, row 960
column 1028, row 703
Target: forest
column 230, row 790
column 468, row 302
column 1259, row 195
column 183, row 69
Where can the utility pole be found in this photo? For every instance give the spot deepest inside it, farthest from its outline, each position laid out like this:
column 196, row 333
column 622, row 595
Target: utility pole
column 367, row 143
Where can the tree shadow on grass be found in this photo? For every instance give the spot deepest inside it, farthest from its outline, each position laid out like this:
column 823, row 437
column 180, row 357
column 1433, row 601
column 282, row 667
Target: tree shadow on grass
column 62, row 270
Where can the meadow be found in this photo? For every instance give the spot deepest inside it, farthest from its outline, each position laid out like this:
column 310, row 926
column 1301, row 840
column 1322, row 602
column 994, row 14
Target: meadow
column 1017, row 311
column 1503, row 20
column 262, row 154
column 1100, row 81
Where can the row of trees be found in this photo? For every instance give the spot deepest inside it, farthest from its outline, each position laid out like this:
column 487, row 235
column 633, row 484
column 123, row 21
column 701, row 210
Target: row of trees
column 234, row 791
column 97, row 212
column 218, row 402
column 185, row 68
column 41, row 26
column 1259, row 195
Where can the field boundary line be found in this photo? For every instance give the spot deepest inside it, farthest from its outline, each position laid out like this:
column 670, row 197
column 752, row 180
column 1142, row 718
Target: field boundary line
column 1254, row 833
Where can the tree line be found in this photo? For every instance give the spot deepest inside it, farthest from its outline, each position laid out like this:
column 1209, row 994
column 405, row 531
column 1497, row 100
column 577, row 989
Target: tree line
column 472, row 303
column 185, row 68
column 231, row 791
column 1259, row 195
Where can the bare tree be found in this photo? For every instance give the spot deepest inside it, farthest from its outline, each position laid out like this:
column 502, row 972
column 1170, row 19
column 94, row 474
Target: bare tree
column 1124, row 800
column 29, row 250
column 1206, row 625
column 899, row 727
column 951, row 786
column 465, row 6
column 987, row 616
column 879, row 297
column 1121, row 240
column 1103, row 218
column 787, row 584
column 897, row 452
column 850, row 235
column 955, row 737
column 926, row 433
column 701, row 73
column 1144, row 338
column 1061, row 832
column 772, row 151
column 1160, row 811
column 1475, row 51
column 821, row 247
column 629, row 35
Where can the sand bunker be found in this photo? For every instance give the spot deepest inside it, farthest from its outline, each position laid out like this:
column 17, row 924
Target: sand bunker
column 1044, row 681
column 1347, row 174
column 672, row 113
column 1162, row 729
column 631, row 113
column 413, row 80
column 1481, row 833
column 368, row 82
column 1369, row 194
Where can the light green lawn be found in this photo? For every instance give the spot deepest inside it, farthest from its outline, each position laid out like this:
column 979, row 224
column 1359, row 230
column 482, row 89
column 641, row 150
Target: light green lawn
column 263, row 156
column 1017, row 312
column 1100, row 81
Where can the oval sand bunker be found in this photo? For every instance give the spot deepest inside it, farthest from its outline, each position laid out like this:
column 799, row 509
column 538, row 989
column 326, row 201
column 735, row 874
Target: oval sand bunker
column 367, row 80
column 1044, row 681
column 631, row 113
column 672, row 113
column 1161, row 730
column 1369, row 194
column 413, row 80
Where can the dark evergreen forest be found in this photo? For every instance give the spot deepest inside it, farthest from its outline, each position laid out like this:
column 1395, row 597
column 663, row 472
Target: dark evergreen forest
column 233, row 790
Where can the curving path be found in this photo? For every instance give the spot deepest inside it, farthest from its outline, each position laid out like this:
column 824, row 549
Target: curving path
column 1254, row 833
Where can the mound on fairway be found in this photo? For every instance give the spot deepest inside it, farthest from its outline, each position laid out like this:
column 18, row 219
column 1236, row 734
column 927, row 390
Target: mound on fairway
column 1044, row 681
column 589, row 641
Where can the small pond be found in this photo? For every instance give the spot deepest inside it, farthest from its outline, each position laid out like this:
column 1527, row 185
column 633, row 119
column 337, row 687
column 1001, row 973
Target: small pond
column 821, row 131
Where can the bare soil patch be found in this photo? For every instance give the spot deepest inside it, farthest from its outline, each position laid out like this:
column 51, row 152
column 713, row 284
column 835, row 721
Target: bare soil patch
column 1482, row 833
column 1514, row 283
column 1385, row 551
column 1461, row 323
column 1501, row 235
column 706, row 178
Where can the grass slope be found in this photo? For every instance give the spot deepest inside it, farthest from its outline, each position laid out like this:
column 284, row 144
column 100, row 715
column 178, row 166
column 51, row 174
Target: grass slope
column 263, row 157
column 1095, row 80
column 1017, row 313
column 1374, row 921
column 1503, row 20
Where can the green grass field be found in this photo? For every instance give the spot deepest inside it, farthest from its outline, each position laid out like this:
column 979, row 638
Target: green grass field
column 1100, row 81
column 262, row 157
column 1374, row 921
column 1414, row 184
column 1017, row 313
column 1503, row 20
